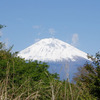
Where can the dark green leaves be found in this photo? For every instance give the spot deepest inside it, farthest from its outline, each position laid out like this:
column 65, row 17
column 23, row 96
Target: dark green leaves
column 89, row 75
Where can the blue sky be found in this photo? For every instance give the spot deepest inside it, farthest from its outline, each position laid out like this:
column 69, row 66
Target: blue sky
column 76, row 22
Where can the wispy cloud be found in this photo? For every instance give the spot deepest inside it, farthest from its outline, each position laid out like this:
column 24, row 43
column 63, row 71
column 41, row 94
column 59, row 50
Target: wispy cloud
column 52, row 31
column 75, row 39
column 36, row 40
column 36, row 26
column 39, row 33
column 20, row 19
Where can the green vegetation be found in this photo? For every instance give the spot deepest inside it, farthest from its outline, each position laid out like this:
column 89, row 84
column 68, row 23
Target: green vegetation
column 89, row 76
column 22, row 79
column 2, row 26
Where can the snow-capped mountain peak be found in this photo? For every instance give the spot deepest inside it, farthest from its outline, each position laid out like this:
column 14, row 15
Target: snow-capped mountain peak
column 51, row 49
column 63, row 58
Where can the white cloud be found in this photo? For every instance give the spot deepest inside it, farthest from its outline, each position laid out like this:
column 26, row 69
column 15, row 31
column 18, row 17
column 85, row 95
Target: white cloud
column 19, row 19
column 36, row 40
column 36, row 26
column 52, row 31
column 39, row 33
column 75, row 39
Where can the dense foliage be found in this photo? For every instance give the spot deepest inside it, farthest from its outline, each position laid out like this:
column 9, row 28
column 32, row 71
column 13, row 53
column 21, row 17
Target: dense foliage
column 2, row 26
column 89, row 75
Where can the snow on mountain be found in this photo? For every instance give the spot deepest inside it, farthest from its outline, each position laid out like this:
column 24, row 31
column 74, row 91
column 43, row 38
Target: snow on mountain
column 58, row 54
column 51, row 50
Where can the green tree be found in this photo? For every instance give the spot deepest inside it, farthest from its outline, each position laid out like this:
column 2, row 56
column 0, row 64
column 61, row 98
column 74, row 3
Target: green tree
column 1, row 44
column 89, row 75
column 1, row 26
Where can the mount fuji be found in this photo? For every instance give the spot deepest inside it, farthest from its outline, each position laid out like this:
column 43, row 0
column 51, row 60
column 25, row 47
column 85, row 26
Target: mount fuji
column 63, row 58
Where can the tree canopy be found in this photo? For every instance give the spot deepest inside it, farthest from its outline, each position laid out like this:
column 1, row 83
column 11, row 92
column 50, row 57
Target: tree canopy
column 89, row 75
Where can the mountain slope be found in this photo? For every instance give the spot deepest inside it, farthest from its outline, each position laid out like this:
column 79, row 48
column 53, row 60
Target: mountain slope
column 58, row 54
